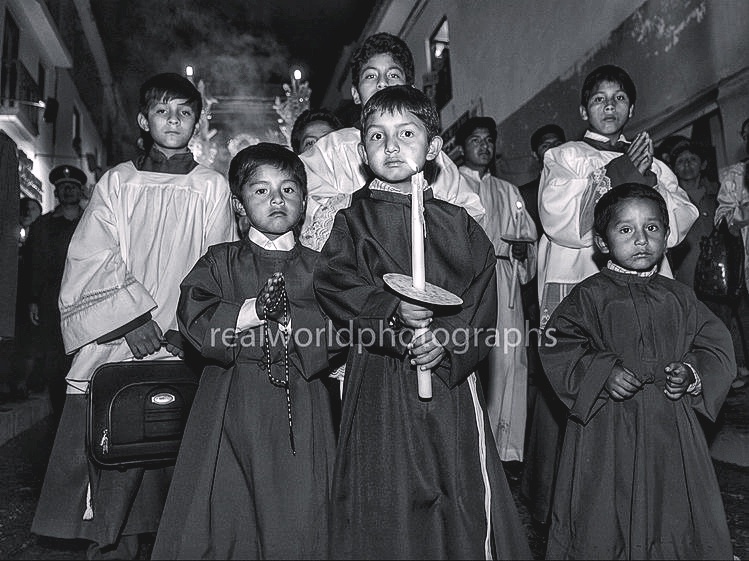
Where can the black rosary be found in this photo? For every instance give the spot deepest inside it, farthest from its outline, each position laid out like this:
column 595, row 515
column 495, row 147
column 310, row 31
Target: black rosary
column 285, row 335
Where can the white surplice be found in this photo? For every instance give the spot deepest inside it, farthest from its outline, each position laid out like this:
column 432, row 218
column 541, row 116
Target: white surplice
column 138, row 238
column 507, row 380
column 335, row 171
column 565, row 253
column 733, row 203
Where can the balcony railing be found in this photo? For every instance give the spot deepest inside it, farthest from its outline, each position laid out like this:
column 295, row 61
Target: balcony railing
column 18, row 91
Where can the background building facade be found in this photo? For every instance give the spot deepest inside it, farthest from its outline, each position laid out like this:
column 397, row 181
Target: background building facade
column 58, row 105
column 523, row 62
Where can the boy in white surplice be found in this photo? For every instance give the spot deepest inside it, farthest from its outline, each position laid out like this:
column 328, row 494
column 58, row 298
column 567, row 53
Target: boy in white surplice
column 148, row 222
column 506, row 369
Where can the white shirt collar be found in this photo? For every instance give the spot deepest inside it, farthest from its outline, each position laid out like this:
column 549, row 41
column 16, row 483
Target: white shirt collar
column 614, row 267
column 473, row 173
column 600, row 138
column 284, row 242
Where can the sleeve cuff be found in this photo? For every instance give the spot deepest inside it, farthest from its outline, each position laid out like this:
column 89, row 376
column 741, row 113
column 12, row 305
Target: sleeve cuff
column 248, row 318
column 125, row 329
column 621, row 170
column 695, row 388
column 175, row 338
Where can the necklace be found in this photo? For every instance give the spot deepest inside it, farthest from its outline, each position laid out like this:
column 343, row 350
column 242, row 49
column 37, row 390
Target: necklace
column 280, row 383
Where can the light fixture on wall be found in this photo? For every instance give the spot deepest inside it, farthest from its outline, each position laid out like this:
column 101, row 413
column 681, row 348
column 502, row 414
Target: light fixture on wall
column 39, row 103
column 50, row 106
column 50, row 110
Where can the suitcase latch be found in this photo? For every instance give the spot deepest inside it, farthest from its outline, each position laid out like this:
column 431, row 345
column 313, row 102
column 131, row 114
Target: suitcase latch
column 104, row 442
column 162, row 398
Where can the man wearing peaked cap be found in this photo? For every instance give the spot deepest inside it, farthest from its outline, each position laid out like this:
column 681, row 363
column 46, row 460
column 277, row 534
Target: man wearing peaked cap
column 48, row 242
column 66, row 173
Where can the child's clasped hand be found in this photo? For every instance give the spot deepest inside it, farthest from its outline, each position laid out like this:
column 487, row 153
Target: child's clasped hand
column 270, row 299
column 679, row 378
column 622, row 383
column 640, row 152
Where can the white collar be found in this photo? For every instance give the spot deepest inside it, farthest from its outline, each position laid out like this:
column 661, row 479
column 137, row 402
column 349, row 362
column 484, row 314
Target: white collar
column 614, row 267
column 600, row 138
column 472, row 172
column 284, row 242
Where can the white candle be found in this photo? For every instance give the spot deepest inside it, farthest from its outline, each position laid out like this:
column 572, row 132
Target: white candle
column 515, row 262
column 418, row 279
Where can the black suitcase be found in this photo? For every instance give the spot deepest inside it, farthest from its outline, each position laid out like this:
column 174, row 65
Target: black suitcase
column 137, row 412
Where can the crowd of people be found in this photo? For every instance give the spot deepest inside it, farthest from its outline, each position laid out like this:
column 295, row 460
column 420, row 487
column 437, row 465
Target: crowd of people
column 582, row 358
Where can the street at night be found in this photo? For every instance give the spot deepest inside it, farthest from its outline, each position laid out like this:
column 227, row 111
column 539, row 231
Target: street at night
column 416, row 279
column 23, row 461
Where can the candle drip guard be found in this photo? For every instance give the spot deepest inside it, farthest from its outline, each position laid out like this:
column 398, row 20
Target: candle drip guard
column 432, row 295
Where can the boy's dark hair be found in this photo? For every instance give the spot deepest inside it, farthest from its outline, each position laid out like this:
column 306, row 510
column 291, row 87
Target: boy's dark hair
column 25, row 203
column 467, row 128
column 540, row 132
column 310, row 116
column 247, row 161
column 689, row 146
column 403, row 98
column 166, row 87
column 664, row 149
column 383, row 43
column 608, row 73
column 604, row 209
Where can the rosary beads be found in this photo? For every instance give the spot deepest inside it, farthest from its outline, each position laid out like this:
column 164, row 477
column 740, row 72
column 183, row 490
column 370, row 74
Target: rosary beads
column 285, row 332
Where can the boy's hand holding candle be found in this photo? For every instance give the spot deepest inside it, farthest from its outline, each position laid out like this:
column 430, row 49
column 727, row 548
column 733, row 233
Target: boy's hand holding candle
column 426, row 351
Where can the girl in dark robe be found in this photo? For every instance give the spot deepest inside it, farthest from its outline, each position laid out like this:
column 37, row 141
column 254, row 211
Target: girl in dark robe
column 634, row 356
column 413, row 479
column 253, row 473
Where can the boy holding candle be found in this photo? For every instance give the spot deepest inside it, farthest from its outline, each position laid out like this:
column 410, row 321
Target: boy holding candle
column 504, row 374
column 413, row 479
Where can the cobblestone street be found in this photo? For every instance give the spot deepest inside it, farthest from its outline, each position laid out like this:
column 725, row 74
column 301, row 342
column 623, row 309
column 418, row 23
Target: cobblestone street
column 23, row 463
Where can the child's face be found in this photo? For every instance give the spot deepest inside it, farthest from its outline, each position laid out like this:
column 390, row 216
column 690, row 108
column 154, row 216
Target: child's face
column 393, row 143
column 608, row 110
column 313, row 132
column 479, row 149
column 635, row 236
column 379, row 72
column 688, row 166
column 171, row 124
column 273, row 201
column 30, row 214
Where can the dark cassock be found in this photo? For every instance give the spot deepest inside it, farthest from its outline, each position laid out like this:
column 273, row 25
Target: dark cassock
column 414, row 479
column 635, row 478
column 242, row 489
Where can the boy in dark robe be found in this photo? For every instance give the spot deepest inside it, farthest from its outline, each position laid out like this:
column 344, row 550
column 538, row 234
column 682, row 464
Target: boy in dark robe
column 413, row 479
column 635, row 356
column 253, row 473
